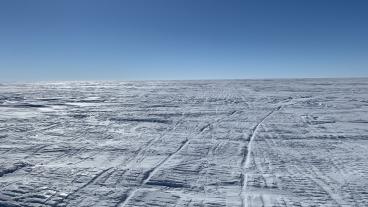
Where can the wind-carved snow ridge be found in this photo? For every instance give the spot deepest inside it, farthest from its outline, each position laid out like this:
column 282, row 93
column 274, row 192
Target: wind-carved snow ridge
column 4, row 170
column 272, row 143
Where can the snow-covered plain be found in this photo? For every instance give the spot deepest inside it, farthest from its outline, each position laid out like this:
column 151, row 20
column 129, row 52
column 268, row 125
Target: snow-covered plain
column 185, row 143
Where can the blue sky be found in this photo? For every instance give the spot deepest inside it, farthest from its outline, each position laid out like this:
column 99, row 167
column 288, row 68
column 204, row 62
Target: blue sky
column 182, row 39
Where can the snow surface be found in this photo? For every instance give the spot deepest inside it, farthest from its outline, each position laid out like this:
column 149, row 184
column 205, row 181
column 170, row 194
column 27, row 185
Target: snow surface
column 185, row 143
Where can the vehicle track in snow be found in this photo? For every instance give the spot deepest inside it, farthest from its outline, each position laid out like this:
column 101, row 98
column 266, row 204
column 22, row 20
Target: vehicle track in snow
column 245, row 163
column 185, row 143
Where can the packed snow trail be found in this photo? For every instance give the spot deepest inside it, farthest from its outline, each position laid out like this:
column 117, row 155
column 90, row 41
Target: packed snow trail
column 246, row 163
column 185, row 143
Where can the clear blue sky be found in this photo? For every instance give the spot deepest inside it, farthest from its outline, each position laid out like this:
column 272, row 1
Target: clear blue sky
column 182, row 39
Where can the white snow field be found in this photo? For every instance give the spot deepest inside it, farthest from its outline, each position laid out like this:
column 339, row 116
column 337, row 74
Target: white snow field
column 185, row 143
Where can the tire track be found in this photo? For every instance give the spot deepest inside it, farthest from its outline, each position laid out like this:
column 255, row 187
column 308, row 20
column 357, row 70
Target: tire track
column 94, row 178
column 246, row 159
column 320, row 182
column 37, row 151
column 315, row 176
column 155, row 169
column 148, row 175
column 140, row 155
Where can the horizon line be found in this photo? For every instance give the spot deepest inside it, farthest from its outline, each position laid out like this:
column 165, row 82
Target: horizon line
column 200, row 79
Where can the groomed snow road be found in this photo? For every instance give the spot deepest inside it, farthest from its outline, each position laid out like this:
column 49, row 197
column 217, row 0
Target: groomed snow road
column 185, row 143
